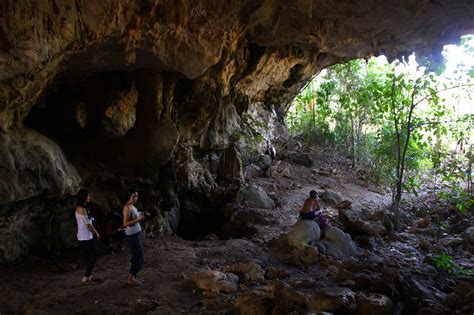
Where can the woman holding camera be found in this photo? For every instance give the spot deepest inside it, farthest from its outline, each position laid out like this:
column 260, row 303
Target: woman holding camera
column 133, row 235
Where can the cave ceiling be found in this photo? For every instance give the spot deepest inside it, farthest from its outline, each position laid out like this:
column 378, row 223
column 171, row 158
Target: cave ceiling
column 44, row 40
column 172, row 79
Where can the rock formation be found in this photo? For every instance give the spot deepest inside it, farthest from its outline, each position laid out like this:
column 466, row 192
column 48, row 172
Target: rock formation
column 118, row 93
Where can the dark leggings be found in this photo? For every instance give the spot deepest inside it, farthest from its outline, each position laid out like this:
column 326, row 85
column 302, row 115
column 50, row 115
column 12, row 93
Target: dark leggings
column 135, row 243
column 89, row 255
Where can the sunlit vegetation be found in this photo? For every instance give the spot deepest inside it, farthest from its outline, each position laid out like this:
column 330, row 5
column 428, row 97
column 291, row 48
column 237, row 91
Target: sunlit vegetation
column 403, row 123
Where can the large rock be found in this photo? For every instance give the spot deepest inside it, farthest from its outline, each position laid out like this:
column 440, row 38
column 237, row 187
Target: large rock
column 37, row 228
column 355, row 222
column 468, row 236
column 254, row 303
column 191, row 174
column 240, row 221
column 374, row 304
column 248, row 270
column 120, row 115
column 32, row 165
column 338, row 244
column 150, row 146
column 287, row 300
column 254, row 196
column 229, row 170
column 331, row 197
column 215, row 281
column 299, row 158
column 333, row 299
column 304, row 233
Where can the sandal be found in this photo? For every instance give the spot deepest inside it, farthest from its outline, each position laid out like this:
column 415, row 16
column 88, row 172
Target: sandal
column 85, row 279
column 134, row 282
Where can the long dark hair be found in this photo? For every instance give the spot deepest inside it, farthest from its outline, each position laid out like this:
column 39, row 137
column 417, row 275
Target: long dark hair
column 81, row 197
column 128, row 194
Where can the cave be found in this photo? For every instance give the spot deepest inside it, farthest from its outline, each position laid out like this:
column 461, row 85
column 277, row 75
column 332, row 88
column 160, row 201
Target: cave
column 177, row 100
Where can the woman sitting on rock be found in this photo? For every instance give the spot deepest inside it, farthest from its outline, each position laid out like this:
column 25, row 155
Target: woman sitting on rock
column 312, row 210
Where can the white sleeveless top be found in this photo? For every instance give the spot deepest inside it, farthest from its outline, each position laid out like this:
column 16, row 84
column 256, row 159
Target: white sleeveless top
column 83, row 233
column 133, row 229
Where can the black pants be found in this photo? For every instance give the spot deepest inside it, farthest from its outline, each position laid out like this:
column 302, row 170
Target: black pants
column 135, row 243
column 89, row 255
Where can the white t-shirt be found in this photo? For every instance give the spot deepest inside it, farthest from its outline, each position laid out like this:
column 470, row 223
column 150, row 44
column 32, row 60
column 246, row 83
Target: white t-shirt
column 83, row 233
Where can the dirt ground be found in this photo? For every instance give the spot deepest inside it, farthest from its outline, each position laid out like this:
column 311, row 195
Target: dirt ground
column 37, row 286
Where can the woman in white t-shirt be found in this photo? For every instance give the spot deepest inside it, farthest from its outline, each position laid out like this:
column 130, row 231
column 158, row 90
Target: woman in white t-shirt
column 133, row 235
column 85, row 233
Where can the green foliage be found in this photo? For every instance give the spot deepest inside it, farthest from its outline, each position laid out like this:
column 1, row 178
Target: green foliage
column 398, row 122
column 445, row 262
column 251, row 132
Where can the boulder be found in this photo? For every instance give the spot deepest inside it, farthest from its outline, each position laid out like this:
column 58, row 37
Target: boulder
column 331, row 197
column 253, row 170
column 463, row 289
column 215, row 281
column 253, row 303
column 345, row 204
column 229, row 169
column 276, row 273
column 306, row 255
column 265, row 161
column 240, row 221
column 287, row 299
column 451, row 241
column 338, row 244
column 31, row 165
column 254, row 196
column 26, row 230
column 362, row 281
column 299, row 159
column 468, row 236
column 469, row 299
column 120, row 115
column 304, row 233
column 248, row 270
column 408, row 237
column 333, row 299
column 150, row 146
column 354, row 222
column 374, row 304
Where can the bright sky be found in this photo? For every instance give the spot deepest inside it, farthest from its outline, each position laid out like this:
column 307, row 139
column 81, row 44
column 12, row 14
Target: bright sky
column 459, row 61
column 457, row 58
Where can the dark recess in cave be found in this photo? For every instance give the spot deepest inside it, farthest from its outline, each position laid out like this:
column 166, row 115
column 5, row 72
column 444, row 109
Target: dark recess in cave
column 53, row 115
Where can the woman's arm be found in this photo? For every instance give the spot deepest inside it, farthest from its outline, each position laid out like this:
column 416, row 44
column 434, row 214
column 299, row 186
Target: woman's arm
column 93, row 230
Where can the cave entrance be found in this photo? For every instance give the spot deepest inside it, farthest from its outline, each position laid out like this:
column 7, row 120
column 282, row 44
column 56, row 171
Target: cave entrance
column 404, row 124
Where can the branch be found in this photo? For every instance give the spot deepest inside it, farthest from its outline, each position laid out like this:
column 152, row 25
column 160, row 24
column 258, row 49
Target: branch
column 442, row 90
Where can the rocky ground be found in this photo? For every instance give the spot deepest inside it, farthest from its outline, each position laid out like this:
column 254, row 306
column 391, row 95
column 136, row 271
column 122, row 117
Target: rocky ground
column 256, row 271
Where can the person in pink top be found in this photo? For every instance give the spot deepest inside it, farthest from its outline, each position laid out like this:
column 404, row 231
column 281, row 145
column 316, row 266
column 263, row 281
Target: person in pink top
column 85, row 233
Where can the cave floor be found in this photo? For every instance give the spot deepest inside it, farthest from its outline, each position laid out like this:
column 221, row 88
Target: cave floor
column 37, row 286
